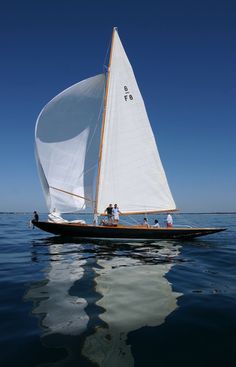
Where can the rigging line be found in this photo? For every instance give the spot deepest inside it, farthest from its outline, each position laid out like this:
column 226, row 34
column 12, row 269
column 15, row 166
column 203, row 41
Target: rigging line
column 88, row 170
column 83, row 173
column 70, row 193
column 94, row 131
column 129, row 222
column 105, row 67
column 134, row 220
column 97, row 123
column 92, row 137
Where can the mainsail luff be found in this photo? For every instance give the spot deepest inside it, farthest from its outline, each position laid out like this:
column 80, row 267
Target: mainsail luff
column 103, row 124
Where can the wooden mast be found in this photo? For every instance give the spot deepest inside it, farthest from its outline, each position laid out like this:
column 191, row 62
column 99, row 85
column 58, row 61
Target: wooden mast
column 103, row 122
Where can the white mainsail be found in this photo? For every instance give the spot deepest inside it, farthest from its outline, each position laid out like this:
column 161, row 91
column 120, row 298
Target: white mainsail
column 131, row 173
column 67, row 145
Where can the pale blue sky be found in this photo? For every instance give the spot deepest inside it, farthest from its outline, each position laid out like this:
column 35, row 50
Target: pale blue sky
column 183, row 54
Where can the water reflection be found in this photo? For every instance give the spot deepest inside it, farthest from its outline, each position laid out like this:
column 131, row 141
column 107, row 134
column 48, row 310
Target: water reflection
column 135, row 294
column 99, row 292
column 61, row 313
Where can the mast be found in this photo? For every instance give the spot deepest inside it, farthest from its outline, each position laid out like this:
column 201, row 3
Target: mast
column 103, row 122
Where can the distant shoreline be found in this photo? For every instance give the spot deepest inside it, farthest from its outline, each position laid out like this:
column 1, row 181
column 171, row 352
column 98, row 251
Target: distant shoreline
column 189, row 213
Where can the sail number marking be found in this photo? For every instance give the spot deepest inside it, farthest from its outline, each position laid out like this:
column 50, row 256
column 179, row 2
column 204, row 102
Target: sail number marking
column 127, row 95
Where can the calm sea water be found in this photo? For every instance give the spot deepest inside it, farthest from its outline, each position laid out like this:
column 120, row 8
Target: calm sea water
column 104, row 304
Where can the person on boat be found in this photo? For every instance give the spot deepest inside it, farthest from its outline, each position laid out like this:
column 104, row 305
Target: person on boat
column 34, row 219
column 35, row 216
column 95, row 219
column 103, row 222
column 169, row 221
column 116, row 214
column 109, row 211
column 156, row 224
column 145, row 222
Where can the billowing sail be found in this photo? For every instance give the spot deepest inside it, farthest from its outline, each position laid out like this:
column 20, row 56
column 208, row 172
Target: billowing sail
column 67, row 137
column 131, row 172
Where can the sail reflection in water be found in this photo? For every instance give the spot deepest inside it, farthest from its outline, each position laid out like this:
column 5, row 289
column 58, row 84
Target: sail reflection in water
column 62, row 313
column 133, row 292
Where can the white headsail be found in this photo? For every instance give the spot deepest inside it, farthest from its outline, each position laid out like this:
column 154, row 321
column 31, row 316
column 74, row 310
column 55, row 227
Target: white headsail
column 131, row 172
column 67, row 145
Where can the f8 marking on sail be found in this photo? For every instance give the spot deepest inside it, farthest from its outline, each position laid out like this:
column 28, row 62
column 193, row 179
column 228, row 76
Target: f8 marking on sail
column 127, row 94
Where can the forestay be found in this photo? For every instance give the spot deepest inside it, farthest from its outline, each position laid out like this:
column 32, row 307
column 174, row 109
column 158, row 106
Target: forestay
column 67, row 145
column 131, row 172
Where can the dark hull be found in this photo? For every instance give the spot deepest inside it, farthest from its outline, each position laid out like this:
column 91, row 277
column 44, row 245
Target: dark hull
column 119, row 232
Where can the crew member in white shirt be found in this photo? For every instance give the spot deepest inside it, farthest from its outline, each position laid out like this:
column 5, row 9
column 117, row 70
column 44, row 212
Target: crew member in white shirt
column 156, row 224
column 116, row 214
column 169, row 221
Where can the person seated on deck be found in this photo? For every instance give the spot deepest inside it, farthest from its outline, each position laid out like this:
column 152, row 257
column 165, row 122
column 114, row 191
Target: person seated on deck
column 145, row 222
column 103, row 222
column 106, row 223
column 156, row 224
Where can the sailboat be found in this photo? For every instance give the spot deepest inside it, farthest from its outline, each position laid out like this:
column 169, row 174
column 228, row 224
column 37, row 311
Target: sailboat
column 94, row 146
